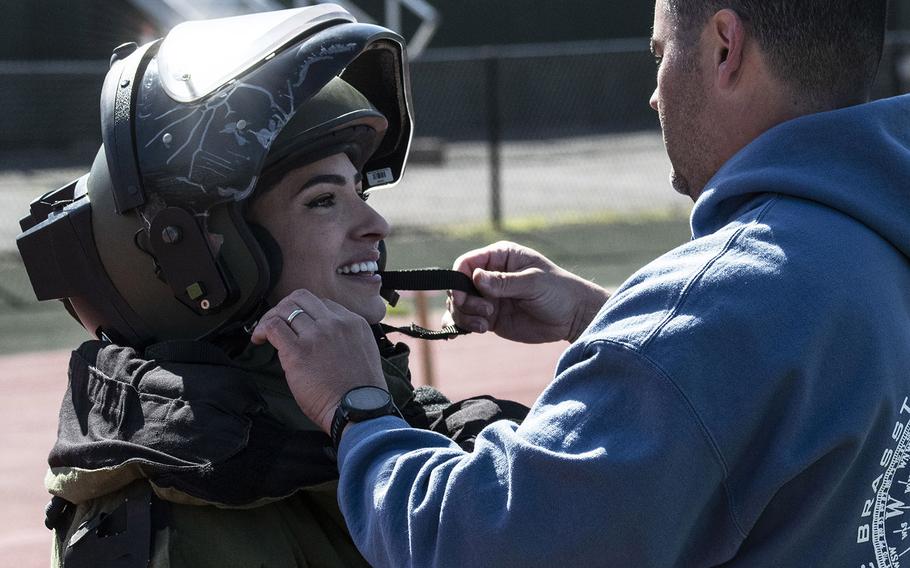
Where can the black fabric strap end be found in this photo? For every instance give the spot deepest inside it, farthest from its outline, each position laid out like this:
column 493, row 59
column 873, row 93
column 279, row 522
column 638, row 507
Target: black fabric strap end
column 390, row 296
column 56, row 512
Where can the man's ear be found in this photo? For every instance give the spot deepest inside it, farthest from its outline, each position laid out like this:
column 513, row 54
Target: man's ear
column 729, row 38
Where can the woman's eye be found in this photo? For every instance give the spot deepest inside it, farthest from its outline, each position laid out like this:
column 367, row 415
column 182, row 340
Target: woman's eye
column 325, row 200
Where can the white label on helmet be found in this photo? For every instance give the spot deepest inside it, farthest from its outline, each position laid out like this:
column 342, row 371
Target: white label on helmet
column 378, row 177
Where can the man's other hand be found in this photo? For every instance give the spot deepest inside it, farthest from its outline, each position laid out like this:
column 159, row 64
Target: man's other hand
column 526, row 297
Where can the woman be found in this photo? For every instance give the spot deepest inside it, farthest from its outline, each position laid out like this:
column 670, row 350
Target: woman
column 237, row 155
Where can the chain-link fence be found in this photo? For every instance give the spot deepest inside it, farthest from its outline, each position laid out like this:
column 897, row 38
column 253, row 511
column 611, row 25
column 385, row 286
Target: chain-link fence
column 549, row 133
column 555, row 133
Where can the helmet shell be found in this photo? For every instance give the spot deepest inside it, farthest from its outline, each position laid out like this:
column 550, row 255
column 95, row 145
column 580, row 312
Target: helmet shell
column 181, row 157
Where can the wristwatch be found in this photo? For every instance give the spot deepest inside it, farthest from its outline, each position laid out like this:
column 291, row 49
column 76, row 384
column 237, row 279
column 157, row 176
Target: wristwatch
column 359, row 404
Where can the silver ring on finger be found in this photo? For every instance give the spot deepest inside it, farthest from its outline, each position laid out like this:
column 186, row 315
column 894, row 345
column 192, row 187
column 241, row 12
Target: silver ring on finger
column 294, row 314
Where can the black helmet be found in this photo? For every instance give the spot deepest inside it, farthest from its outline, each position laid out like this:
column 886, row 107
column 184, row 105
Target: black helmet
column 151, row 244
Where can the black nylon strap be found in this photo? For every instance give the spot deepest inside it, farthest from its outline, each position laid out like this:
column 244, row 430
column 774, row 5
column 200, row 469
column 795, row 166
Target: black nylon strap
column 428, row 279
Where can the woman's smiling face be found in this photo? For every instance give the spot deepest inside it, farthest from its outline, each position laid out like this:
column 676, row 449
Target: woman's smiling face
column 328, row 235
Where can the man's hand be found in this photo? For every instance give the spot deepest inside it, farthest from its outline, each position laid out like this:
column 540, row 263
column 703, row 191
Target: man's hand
column 325, row 351
column 526, row 297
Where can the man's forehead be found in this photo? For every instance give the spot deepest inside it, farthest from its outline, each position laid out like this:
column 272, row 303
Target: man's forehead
column 658, row 34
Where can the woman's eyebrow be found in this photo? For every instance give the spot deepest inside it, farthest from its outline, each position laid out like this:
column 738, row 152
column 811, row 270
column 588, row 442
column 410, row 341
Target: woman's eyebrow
column 332, row 179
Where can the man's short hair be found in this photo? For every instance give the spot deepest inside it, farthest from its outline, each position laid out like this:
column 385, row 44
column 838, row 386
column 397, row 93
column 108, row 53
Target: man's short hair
column 827, row 50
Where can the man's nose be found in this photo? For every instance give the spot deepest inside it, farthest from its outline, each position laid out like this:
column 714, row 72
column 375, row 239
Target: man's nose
column 653, row 101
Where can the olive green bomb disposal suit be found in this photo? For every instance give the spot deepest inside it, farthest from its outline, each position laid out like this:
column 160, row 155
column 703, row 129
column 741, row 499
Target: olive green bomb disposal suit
column 184, row 457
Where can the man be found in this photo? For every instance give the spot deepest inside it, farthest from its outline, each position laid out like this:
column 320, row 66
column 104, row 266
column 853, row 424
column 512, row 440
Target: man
column 742, row 400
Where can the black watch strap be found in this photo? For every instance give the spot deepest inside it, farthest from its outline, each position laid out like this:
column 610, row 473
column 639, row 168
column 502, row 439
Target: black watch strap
column 345, row 414
column 339, row 421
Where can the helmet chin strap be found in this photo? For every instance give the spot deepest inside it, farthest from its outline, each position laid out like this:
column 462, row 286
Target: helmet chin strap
column 423, row 279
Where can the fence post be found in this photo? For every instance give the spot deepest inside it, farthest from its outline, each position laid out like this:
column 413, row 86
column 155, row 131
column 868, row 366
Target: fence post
column 426, row 350
column 494, row 134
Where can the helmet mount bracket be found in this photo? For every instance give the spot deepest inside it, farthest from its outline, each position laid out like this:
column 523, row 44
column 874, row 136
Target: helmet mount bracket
column 181, row 250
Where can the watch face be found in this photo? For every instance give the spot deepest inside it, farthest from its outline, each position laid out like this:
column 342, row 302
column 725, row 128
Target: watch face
column 367, row 398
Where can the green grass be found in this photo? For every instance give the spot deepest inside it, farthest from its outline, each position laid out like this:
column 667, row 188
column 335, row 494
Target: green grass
column 566, row 221
column 606, row 249
column 601, row 247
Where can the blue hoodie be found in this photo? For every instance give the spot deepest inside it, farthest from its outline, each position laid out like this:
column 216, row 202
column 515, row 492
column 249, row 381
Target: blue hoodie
column 742, row 399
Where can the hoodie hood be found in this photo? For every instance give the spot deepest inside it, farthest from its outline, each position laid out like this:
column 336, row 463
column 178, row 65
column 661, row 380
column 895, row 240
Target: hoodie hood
column 855, row 160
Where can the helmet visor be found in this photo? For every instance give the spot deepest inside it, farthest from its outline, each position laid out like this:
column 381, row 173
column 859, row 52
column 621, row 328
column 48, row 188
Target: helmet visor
column 197, row 57
column 211, row 149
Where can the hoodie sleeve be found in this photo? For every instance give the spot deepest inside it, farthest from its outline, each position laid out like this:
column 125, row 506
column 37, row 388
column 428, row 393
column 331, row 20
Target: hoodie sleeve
column 612, row 467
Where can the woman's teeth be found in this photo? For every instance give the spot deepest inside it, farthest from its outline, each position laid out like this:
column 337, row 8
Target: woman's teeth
column 358, row 267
